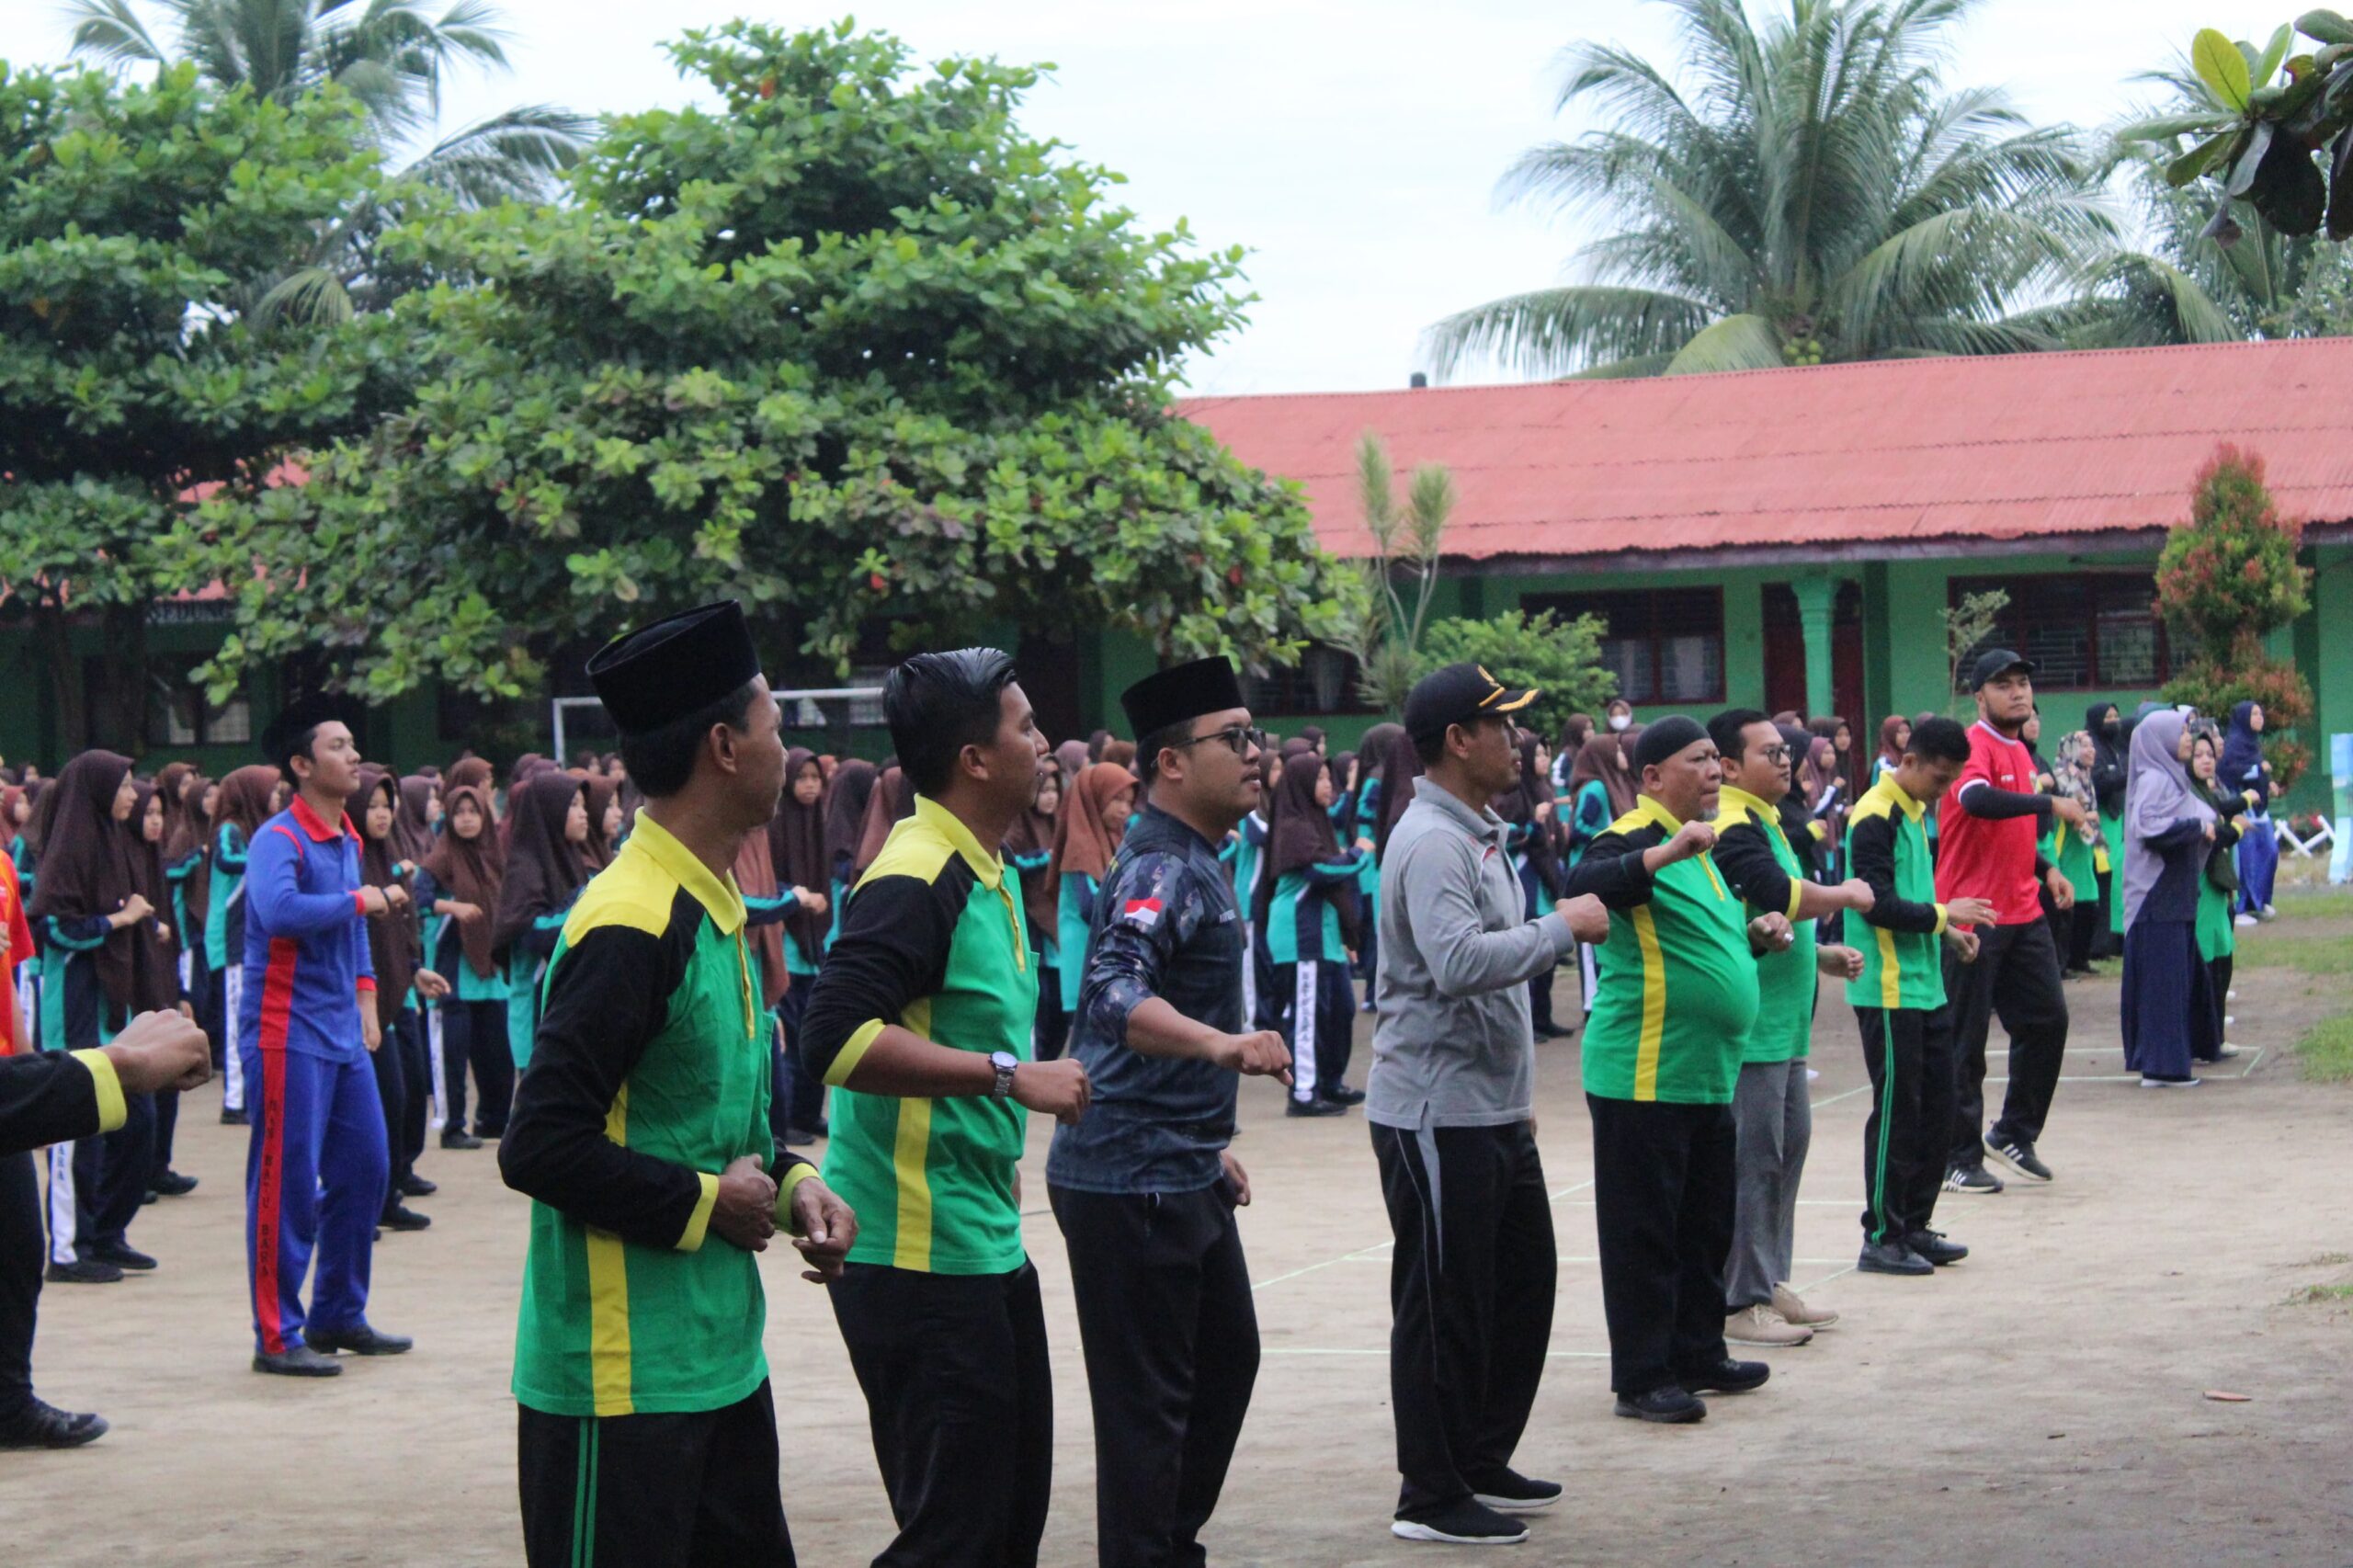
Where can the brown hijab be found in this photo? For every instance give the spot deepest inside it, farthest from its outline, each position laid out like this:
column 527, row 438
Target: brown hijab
column 797, row 851
column 756, row 877
column 393, row 939
column 1606, row 756
column 187, row 831
column 156, row 941
column 893, row 801
column 413, row 839
column 1082, row 844
column 847, row 793
column 467, row 868
column 602, row 790
column 244, row 801
column 469, row 772
column 544, row 870
column 90, row 865
column 1033, row 834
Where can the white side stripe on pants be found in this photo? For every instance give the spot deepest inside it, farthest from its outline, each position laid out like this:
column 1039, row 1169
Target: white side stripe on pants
column 1302, row 1030
column 433, row 1047
column 62, row 1219
column 232, row 1061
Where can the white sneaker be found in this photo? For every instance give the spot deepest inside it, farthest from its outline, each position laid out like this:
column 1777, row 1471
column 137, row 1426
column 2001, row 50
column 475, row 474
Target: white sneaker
column 2244, row 920
column 1762, row 1325
column 2232, row 995
column 2269, row 913
column 2226, row 1049
column 2229, row 1019
column 2149, row 1082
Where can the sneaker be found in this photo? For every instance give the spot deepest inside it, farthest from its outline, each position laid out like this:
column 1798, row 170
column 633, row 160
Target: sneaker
column 1344, row 1092
column 1892, row 1257
column 459, row 1140
column 2267, row 912
column 170, row 1184
column 84, row 1271
column 2229, row 1019
column 1672, row 1405
column 1726, row 1376
column 1467, row 1523
column 2018, row 1154
column 1975, row 1180
column 2147, row 1082
column 1760, row 1324
column 414, row 1186
column 1512, row 1493
column 39, row 1425
column 2225, row 1050
column 2232, row 995
column 2244, row 920
column 121, row 1255
column 1932, row 1246
column 1794, row 1309
column 1294, row 1106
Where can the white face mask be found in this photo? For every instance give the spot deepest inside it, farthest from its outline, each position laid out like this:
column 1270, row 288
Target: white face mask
column 1620, row 721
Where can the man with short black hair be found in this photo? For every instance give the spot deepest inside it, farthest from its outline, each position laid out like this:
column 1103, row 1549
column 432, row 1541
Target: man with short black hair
column 921, row 1019
column 317, row 1162
column 1678, row 996
column 1451, row 1101
column 1144, row 1186
column 1900, row 1003
column 1988, row 838
column 646, row 1429
column 1772, row 1116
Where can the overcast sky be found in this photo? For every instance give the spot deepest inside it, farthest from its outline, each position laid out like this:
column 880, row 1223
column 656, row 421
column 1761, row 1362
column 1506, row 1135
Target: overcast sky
column 1353, row 147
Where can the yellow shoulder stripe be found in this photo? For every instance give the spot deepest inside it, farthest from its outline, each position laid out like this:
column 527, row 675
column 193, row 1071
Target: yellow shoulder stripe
column 633, row 891
column 915, row 849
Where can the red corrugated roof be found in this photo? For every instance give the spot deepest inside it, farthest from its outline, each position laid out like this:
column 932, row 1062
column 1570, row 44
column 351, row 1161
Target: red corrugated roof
column 2014, row 447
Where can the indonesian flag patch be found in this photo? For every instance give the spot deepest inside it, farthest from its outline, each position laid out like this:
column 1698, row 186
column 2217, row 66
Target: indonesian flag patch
column 1142, row 913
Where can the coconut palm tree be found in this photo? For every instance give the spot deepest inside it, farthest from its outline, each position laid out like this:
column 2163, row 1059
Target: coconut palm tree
column 1798, row 190
column 390, row 54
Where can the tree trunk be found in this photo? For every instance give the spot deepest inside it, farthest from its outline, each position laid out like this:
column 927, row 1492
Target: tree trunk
column 126, row 654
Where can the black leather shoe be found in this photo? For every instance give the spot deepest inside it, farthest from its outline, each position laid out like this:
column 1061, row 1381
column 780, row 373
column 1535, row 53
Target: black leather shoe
column 1343, row 1094
column 1672, row 1405
column 1727, row 1376
column 414, row 1186
column 400, row 1217
column 121, row 1255
column 39, row 1425
column 302, row 1362
column 459, row 1141
column 1294, row 1106
column 1892, row 1257
column 361, row 1341
column 235, row 1119
column 170, row 1184
column 88, row 1271
column 1932, row 1246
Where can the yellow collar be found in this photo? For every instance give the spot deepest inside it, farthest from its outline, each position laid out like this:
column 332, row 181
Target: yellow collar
column 949, row 826
column 1646, row 807
column 719, row 897
column 1731, row 796
column 1912, row 807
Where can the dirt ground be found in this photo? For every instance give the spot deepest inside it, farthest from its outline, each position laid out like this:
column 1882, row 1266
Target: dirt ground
column 2045, row 1401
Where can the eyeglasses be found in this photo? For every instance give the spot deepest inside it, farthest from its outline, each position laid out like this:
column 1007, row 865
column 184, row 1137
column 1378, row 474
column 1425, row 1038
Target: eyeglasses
column 1240, row 739
column 1777, row 754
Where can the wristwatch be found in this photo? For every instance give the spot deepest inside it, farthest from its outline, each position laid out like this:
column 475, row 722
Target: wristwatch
column 1004, row 1062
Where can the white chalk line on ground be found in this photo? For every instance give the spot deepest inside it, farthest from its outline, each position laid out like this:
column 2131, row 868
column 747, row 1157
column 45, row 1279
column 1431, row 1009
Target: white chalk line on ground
column 1322, row 1350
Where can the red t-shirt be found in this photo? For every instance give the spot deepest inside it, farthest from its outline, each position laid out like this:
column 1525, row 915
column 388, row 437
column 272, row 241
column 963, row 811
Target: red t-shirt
column 1990, row 858
column 20, row 950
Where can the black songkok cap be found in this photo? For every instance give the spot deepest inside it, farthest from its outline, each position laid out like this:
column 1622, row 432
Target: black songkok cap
column 1662, row 738
column 1459, row 693
column 1181, row 695
column 667, row 670
column 299, row 718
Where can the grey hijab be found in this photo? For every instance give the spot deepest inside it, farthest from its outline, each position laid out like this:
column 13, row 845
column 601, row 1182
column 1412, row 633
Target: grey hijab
column 2157, row 794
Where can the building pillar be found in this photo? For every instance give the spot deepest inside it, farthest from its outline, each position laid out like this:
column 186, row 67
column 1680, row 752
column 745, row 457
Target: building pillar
column 1817, row 600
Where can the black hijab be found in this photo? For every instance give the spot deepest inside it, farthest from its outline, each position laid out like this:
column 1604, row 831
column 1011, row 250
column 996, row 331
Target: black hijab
column 2109, row 757
column 1299, row 831
column 90, row 865
column 393, row 939
column 797, row 849
column 544, row 868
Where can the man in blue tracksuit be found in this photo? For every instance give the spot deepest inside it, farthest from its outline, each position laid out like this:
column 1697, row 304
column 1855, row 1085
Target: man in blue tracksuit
column 318, row 1163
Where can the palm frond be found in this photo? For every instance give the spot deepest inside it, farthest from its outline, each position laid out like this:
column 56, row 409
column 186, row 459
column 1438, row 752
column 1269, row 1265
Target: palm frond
column 511, row 156
column 1735, row 343
column 1559, row 330
column 312, row 295
column 111, row 31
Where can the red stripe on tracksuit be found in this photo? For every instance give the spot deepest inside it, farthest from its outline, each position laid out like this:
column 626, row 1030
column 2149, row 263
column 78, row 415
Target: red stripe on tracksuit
column 277, row 1004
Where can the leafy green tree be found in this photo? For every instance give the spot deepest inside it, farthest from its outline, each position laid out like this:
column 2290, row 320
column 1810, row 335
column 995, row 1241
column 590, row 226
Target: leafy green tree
column 133, row 219
column 2226, row 580
column 1561, row 657
column 1385, row 632
column 851, row 346
column 1799, row 190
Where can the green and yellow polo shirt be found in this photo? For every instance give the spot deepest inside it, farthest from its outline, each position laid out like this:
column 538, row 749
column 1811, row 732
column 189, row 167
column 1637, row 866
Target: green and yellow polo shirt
column 1755, row 860
column 1677, row 980
column 1888, row 847
column 934, row 942
column 648, row 1075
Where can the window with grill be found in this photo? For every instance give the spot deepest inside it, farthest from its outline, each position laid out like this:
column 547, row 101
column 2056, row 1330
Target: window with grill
column 1324, row 681
column 2085, row 631
column 177, row 713
column 1666, row 645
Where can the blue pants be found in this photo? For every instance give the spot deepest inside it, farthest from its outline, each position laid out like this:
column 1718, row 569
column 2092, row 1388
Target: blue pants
column 2258, row 862
column 314, row 1177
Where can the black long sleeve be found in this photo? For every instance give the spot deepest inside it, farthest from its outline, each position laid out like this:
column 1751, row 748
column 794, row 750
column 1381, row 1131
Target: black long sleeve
column 1992, row 803
column 609, row 996
column 45, row 1097
column 892, row 949
column 1746, row 857
column 1873, row 844
column 1612, row 870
